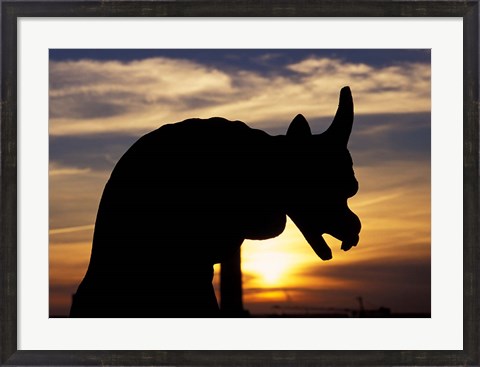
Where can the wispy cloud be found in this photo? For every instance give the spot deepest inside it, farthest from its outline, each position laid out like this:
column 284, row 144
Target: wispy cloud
column 68, row 171
column 71, row 229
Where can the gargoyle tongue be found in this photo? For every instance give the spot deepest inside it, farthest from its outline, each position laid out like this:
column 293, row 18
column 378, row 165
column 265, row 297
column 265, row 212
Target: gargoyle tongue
column 321, row 248
column 313, row 235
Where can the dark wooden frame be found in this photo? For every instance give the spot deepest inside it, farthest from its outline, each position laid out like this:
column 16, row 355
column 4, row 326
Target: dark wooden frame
column 11, row 10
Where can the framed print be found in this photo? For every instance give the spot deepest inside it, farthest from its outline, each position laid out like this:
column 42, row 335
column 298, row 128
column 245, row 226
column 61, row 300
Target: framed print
column 207, row 125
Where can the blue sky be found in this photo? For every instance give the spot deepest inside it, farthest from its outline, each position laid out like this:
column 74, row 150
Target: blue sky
column 249, row 58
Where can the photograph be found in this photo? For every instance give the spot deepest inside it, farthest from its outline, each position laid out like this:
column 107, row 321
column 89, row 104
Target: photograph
column 239, row 183
column 203, row 183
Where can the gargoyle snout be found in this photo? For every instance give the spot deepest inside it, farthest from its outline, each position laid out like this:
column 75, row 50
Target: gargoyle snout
column 353, row 188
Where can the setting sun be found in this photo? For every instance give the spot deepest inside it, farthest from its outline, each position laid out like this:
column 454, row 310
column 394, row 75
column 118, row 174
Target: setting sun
column 270, row 267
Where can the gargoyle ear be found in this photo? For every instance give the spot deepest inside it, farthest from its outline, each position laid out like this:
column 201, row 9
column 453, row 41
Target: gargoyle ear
column 299, row 127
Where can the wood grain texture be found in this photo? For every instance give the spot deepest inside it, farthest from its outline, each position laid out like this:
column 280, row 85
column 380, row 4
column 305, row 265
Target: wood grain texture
column 471, row 198
column 8, row 180
column 9, row 355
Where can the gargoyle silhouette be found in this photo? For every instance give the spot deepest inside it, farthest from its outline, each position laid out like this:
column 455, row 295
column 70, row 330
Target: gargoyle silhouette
column 185, row 196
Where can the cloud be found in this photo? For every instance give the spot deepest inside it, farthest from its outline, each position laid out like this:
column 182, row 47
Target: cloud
column 378, row 272
column 400, row 284
column 91, row 106
column 71, row 229
column 96, row 90
column 386, row 78
column 88, row 96
column 66, row 171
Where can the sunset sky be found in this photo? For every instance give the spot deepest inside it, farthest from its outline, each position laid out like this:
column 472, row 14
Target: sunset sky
column 102, row 101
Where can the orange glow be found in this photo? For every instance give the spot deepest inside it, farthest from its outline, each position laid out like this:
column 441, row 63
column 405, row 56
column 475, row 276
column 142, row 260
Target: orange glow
column 67, row 266
column 267, row 295
column 270, row 268
column 68, row 263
